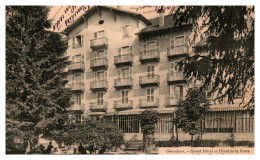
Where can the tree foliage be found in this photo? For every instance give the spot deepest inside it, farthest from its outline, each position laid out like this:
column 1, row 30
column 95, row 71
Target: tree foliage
column 190, row 111
column 36, row 97
column 148, row 120
column 229, row 44
column 94, row 135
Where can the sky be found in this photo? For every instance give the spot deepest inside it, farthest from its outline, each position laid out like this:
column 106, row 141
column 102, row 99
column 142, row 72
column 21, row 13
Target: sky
column 56, row 12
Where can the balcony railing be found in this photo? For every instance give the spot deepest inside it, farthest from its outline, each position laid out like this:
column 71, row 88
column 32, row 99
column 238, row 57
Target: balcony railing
column 119, row 105
column 173, row 100
column 177, row 51
column 98, row 85
column 123, row 82
column 149, row 80
column 98, row 107
column 175, row 77
column 75, row 107
column 123, row 59
column 150, row 55
column 77, row 86
column 99, row 43
column 145, row 103
column 98, row 63
column 76, row 66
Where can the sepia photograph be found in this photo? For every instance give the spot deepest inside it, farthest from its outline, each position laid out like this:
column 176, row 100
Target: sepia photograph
column 130, row 80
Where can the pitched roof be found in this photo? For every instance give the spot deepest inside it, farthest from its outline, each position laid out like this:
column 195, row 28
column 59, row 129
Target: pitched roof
column 169, row 22
column 97, row 8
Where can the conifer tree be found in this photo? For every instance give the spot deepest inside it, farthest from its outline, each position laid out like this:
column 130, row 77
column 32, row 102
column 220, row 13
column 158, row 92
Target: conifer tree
column 36, row 97
column 228, row 42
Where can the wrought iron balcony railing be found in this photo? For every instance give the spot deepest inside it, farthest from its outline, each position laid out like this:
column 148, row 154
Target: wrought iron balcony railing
column 123, row 105
column 149, row 103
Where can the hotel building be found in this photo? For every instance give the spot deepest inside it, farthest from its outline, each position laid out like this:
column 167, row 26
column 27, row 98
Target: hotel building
column 123, row 63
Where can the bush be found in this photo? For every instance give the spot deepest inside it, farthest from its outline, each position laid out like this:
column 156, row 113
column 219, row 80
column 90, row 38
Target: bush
column 95, row 136
column 197, row 143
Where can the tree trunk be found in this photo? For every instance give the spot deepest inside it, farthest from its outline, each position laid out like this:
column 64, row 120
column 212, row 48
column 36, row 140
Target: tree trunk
column 144, row 141
column 191, row 140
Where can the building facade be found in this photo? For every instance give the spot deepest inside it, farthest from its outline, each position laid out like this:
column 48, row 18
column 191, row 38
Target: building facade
column 123, row 63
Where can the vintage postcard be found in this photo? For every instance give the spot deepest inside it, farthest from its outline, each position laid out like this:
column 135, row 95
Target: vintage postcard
column 130, row 80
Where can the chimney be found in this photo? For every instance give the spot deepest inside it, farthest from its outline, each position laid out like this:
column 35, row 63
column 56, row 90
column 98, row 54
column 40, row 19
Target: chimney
column 161, row 16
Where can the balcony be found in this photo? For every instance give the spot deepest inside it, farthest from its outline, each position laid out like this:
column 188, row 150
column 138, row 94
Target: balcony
column 147, row 56
column 172, row 101
column 77, row 107
column 76, row 66
column 101, row 107
column 143, row 103
column 99, row 43
column 118, row 105
column 123, row 60
column 123, row 83
column 175, row 78
column 98, row 63
column 179, row 51
column 145, row 81
column 77, row 87
column 98, row 86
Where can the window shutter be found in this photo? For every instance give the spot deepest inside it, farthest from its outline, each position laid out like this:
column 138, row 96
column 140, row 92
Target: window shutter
column 130, row 50
column 95, row 76
column 73, row 42
column 144, row 47
column 123, row 31
column 157, row 45
column 119, row 73
column 82, row 40
column 172, row 42
column 72, row 59
column 130, row 72
column 73, row 78
column 82, row 58
column 105, row 74
column 105, row 53
column 95, row 34
column 82, row 78
column 119, row 50
column 95, row 54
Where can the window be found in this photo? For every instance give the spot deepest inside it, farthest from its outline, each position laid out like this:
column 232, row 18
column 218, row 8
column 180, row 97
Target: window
column 77, row 41
column 174, row 67
column 151, row 46
column 125, row 73
column 100, row 76
column 99, row 34
column 125, row 50
column 150, row 94
column 126, row 31
column 239, row 92
column 125, row 96
column 150, row 72
column 176, row 92
column 100, row 54
column 77, row 58
column 78, row 79
column 178, row 44
column 77, row 99
column 100, row 98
